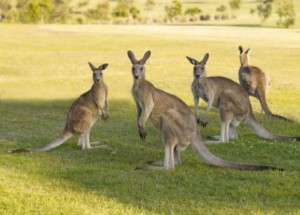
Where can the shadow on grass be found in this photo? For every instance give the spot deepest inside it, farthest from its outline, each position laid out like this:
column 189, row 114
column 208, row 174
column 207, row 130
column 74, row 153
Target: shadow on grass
column 192, row 188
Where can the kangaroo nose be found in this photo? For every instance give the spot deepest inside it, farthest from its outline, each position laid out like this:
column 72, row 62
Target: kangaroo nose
column 197, row 76
column 136, row 76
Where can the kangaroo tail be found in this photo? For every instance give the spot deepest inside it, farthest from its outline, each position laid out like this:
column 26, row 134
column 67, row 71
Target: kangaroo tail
column 260, row 131
column 281, row 117
column 263, row 102
column 210, row 158
column 55, row 143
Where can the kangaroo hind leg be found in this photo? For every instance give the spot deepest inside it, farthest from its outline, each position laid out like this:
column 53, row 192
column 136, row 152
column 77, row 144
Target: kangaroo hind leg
column 85, row 141
column 170, row 136
column 171, row 157
column 80, row 140
column 232, row 132
column 225, row 132
column 177, row 159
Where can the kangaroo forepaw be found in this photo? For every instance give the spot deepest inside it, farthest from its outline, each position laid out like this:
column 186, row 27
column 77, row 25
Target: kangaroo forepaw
column 143, row 134
column 203, row 123
column 105, row 117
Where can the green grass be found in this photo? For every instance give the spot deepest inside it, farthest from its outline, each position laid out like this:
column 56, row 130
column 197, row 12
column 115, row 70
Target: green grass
column 44, row 68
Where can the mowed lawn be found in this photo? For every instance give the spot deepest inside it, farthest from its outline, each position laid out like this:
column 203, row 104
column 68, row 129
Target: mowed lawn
column 43, row 68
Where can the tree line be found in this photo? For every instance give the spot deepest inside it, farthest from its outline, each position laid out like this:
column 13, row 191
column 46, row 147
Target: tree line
column 124, row 11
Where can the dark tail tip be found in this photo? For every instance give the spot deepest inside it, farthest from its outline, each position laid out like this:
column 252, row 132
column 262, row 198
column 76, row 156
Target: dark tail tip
column 281, row 117
column 19, row 151
column 264, row 168
column 255, row 168
column 275, row 169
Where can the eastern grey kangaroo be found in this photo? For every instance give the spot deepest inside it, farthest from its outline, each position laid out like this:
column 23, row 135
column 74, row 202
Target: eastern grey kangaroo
column 174, row 119
column 231, row 100
column 82, row 115
column 255, row 82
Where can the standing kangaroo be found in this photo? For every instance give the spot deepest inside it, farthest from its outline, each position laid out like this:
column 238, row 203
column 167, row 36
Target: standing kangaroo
column 231, row 100
column 255, row 82
column 82, row 115
column 174, row 119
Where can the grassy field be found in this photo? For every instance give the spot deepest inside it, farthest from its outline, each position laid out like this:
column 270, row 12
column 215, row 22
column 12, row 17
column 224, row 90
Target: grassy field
column 44, row 68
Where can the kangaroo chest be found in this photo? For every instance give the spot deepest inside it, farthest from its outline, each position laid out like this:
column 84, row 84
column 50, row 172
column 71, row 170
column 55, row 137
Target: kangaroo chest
column 99, row 98
column 199, row 90
column 135, row 92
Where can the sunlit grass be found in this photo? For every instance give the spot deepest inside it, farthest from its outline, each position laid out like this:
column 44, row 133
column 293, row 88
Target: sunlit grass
column 44, row 68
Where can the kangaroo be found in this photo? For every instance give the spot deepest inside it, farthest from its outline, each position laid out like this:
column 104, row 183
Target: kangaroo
column 255, row 82
column 82, row 114
column 231, row 100
column 174, row 119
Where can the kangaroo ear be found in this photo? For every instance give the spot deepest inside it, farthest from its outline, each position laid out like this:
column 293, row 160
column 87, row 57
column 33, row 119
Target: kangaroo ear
column 103, row 66
column 241, row 49
column 92, row 66
column 248, row 50
column 132, row 57
column 145, row 58
column 192, row 60
column 205, row 58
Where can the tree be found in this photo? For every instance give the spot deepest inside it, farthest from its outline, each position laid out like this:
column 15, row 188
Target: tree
column 121, row 9
column 286, row 11
column 60, row 11
column 149, row 5
column 173, row 10
column 264, row 9
column 193, row 11
column 221, row 9
column 43, row 11
column 4, row 8
column 235, row 4
column 33, row 12
column 101, row 12
column 135, row 12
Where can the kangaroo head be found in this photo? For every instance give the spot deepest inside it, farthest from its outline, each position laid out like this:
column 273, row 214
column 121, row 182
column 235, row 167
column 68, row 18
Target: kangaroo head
column 244, row 56
column 199, row 67
column 97, row 72
column 138, row 68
